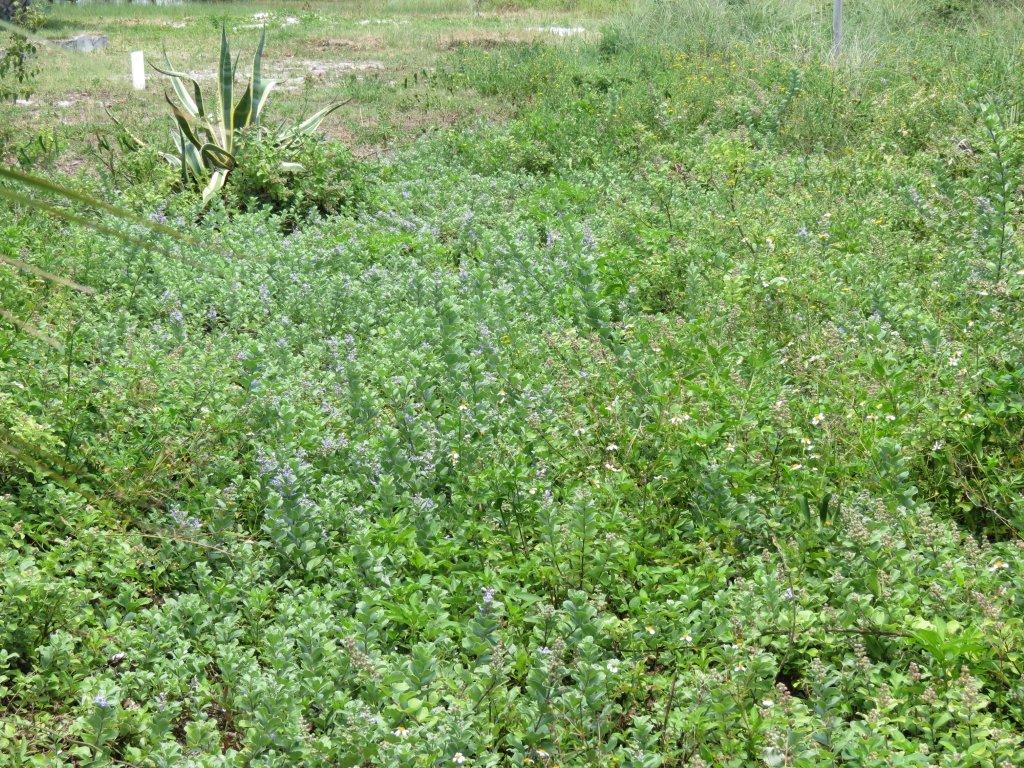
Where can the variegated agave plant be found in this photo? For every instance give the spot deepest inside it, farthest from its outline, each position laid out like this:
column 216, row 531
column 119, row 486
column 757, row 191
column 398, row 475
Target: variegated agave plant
column 207, row 136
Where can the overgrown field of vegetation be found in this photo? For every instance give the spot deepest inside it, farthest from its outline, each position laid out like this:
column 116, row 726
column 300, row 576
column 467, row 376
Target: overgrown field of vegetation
column 608, row 385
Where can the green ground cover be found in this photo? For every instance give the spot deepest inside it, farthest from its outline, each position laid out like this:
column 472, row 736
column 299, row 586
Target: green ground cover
column 652, row 396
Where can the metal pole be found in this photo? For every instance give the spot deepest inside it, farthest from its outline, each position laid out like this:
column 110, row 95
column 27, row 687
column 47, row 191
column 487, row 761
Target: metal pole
column 837, row 30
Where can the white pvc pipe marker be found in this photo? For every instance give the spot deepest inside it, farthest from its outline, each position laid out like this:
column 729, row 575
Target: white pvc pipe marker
column 138, row 71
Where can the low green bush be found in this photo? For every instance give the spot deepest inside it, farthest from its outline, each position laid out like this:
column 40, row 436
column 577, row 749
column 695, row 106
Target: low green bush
column 328, row 181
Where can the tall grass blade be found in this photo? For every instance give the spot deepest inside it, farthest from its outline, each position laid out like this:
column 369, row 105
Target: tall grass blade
column 30, row 330
column 42, row 273
column 74, row 218
column 42, row 185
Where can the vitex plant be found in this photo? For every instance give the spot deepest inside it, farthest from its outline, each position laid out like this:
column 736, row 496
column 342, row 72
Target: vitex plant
column 207, row 134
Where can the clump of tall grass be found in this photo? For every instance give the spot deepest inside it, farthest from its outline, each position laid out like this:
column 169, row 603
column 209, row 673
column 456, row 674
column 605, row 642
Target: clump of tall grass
column 875, row 32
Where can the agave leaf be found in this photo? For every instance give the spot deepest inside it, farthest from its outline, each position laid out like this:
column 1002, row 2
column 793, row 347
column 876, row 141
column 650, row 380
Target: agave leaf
column 242, row 114
column 197, row 101
column 217, row 156
column 184, row 125
column 259, row 88
column 312, row 122
column 177, row 82
column 259, row 98
column 180, row 161
column 206, row 130
column 257, row 59
column 194, row 160
column 215, row 184
column 190, row 158
column 199, row 98
column 226, row 77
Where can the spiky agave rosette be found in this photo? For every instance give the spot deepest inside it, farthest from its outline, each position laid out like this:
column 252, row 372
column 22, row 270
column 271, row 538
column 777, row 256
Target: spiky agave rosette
column 206, row 138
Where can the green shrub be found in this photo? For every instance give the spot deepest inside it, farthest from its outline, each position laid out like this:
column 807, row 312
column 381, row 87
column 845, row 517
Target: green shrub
column 327, row 181
column 18, row 65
